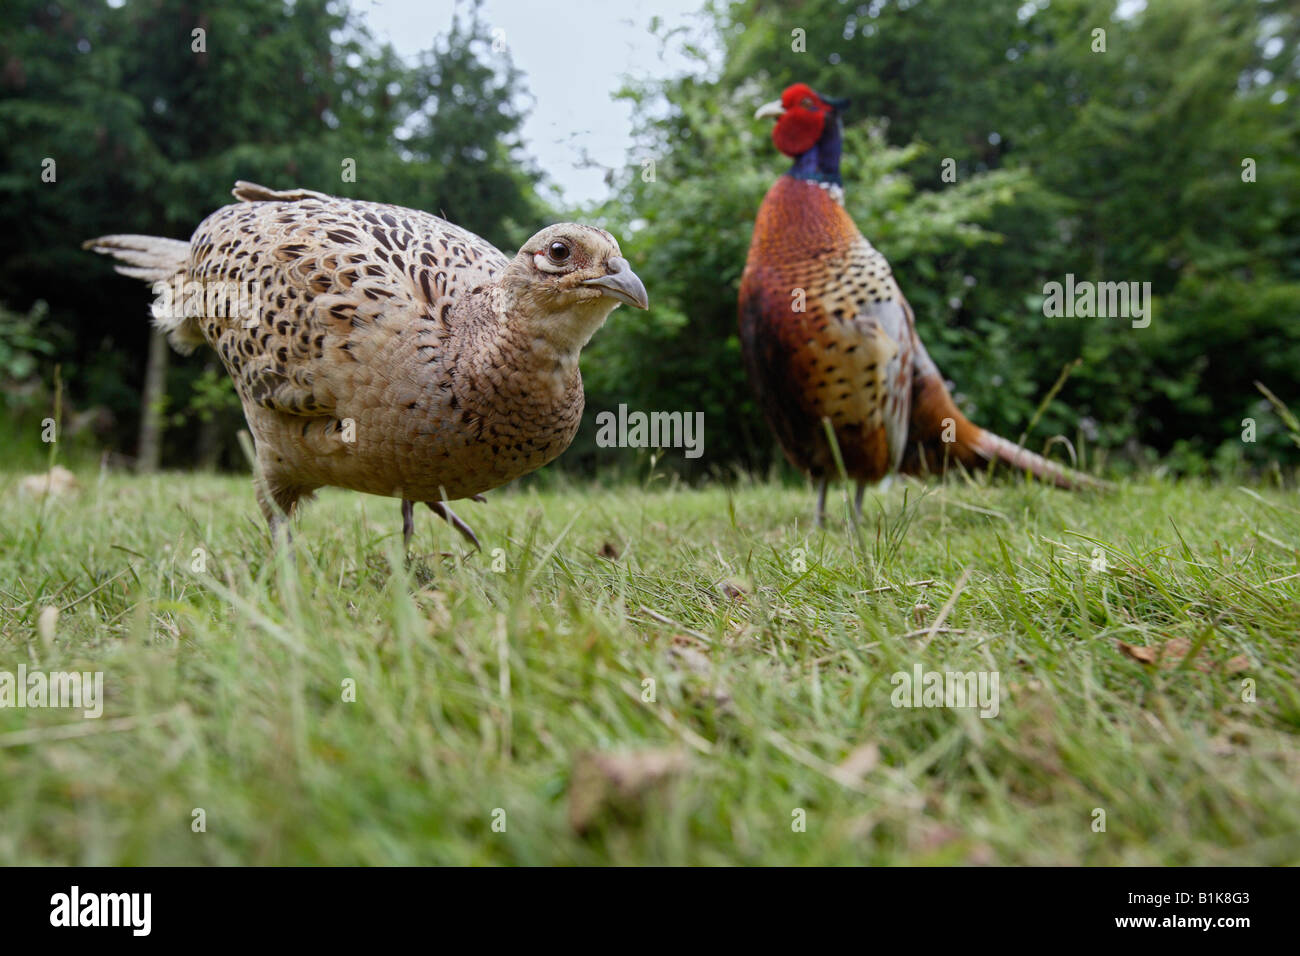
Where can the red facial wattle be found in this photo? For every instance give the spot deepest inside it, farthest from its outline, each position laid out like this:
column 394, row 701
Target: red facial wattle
column 798, row 130
column 801, row 125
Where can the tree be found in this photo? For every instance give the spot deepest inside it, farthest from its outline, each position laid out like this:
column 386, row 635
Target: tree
column 150, row 112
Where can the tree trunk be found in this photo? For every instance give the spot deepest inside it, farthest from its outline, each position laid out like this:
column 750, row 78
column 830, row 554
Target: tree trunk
column 151, row 418
column 207, row 449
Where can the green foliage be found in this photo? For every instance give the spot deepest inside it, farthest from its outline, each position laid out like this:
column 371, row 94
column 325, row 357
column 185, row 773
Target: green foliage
column 462, row 134
column 148, row 132
column 28, row 342
column 25, row 341
column 686, row 231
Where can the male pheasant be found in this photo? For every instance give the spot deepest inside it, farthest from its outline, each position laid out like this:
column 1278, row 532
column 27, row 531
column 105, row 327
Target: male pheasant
column 826, row 334
column 382, row 349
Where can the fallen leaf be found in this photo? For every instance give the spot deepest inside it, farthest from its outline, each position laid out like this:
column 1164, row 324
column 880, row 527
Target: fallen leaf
column 1237, row 664
column 1168, row 655
column 1173, row 652
column 731, row 590
column 683, row 654
column 688, row 640
column 1221, row 746
column 619, row 782
column 981, row 854
column 860, row 762
column 1145, row 655
column 929, row 836
column 46, row 624
column 57, row 483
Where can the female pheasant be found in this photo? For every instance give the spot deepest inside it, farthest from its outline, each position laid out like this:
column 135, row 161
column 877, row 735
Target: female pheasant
column 826, row 334
column 382, row 349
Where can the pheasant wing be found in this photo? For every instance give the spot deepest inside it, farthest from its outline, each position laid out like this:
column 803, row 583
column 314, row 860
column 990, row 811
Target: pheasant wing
column 343, row 297
column 831, row 337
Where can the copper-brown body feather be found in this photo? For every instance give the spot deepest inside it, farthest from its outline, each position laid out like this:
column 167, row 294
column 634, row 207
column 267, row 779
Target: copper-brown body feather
column 827, row 335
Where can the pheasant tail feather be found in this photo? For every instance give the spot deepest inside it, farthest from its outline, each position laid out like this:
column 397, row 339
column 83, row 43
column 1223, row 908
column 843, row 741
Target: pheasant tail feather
column 155, row 259
column 941, row 434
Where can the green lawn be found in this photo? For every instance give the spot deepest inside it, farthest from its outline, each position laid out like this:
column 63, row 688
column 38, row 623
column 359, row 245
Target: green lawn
column 519, row 696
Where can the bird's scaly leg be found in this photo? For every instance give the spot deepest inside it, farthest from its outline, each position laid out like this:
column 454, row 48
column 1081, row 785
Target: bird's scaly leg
column 820, row 518
column 443, row 511
column 277, row 504
column 408, row 523
column 280, row 531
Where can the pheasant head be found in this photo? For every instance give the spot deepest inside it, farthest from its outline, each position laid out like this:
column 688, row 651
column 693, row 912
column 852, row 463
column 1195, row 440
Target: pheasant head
column 809, row 130
column 564, row 283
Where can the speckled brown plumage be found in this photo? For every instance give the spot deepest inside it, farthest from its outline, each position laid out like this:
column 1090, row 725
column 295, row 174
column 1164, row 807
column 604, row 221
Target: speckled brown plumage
column 827, row 335
column 393, row 352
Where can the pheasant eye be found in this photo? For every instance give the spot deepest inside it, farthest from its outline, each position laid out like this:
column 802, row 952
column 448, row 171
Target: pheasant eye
column 559, row 252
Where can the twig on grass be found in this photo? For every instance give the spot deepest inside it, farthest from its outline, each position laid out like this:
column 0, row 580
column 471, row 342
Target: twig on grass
column 88, row 728
column 663, row 619
column 947, row 606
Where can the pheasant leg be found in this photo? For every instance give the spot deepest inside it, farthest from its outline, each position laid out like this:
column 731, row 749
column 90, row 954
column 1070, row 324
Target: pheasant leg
column 408, row 523
column 444, row 512
column 820, row 518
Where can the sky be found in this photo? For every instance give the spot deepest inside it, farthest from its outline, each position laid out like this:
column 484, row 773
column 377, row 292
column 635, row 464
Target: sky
column 574, row 55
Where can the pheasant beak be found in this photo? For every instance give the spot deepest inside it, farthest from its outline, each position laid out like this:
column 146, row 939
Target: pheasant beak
column 771, row 110
column 621, row 283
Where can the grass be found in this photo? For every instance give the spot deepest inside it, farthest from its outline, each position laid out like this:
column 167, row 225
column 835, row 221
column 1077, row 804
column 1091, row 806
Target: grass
column 485, row 683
